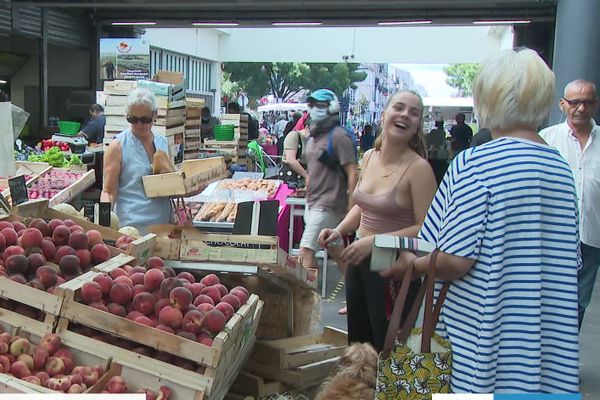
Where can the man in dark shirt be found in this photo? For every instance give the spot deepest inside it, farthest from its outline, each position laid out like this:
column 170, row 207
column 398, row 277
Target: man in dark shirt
column 93, row 132
column 461, row 134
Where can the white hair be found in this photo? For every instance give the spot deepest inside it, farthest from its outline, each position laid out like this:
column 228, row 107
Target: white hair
column 579, row 83
column 141, row 96
column 513, row 90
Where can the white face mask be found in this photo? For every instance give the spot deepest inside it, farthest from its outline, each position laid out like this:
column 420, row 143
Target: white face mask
column 317, row 114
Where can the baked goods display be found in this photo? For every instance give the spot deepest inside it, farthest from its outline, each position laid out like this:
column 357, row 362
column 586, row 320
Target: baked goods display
column 257, row 185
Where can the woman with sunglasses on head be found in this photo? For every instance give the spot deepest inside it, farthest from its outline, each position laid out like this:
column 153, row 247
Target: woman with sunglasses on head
column 128, row 158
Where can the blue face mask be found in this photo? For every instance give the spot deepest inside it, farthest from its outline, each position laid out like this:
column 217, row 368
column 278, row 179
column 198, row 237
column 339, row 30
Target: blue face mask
column 317, row 114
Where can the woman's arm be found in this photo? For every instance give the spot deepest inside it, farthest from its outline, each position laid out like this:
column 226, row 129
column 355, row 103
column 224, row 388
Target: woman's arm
column 448, row 267
column 112, row 171
column 290, row 159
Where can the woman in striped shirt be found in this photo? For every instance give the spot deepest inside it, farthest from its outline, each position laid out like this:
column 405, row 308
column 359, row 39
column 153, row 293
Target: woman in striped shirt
column 505, row 221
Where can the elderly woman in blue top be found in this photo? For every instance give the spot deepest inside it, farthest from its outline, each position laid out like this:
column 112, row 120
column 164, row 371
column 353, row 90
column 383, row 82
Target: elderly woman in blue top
column 128, row 159
column 505, row 221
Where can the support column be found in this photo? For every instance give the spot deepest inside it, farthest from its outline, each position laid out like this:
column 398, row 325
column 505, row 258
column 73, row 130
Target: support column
column 43, row 70
column 576, row 47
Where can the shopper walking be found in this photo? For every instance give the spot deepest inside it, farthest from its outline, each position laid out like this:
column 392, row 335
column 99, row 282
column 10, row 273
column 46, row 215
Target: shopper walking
column 578, row 141
column 207, row 124
column 128, row 158
column 367, row 139
column 505, row 221
column 392, row 196
column 461, row 134
column 293, row 170
column 331, row 159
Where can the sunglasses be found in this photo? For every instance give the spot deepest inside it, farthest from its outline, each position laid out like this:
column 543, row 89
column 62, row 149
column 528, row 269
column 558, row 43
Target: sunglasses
column 577, row 102
column 143, row 120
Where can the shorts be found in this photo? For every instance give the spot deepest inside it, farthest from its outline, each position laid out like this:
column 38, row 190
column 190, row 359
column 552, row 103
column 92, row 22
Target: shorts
column 315, row 221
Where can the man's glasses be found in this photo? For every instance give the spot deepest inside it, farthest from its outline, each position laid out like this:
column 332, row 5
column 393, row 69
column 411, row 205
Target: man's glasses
column 577, row 102
column 143, row 120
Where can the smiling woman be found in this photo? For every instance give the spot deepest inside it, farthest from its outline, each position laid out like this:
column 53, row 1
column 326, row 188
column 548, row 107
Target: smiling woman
column 128, row 159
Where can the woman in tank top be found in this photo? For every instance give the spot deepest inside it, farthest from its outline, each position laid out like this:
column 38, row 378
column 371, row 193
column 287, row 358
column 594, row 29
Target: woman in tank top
column 128, row 158
column 393, row 195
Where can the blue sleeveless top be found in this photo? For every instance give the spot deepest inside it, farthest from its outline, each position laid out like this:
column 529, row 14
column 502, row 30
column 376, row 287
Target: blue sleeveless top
column 133, row 207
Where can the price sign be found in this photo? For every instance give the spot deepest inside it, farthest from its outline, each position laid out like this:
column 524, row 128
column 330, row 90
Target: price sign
column 89, row 210
column 104, row 214
column 18, row 190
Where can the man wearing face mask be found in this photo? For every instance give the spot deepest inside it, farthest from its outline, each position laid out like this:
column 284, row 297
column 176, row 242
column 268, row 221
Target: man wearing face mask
column 208, row 124
column 331, row 159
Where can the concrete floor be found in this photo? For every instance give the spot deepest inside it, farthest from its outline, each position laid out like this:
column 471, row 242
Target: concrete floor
column 589, row 339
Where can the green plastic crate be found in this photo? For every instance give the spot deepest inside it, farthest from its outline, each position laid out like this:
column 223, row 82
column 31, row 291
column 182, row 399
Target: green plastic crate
column 69, row 128
column 224, row 133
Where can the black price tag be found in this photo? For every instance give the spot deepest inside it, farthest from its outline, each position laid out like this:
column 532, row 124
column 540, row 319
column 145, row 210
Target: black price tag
column 18, row 190
column 88, row 210
column 104, row 214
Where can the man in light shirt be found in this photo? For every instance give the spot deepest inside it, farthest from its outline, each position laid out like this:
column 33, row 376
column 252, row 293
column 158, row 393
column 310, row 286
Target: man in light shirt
column 578, row 141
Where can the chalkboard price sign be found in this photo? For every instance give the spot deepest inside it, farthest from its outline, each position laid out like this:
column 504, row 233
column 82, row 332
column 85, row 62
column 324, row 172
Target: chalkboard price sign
column 104, row 214
column 89, row 210
column 18, row 190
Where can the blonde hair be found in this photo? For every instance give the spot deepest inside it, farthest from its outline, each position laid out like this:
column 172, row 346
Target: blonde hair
column 513, row 90
column 417, row 141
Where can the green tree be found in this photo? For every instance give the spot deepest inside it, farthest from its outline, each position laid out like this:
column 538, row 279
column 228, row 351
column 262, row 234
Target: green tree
column 461, row 76
column 284, row 80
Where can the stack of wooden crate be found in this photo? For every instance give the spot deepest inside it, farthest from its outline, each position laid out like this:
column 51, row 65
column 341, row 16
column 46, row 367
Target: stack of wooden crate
column 193, row 120
column 116, row 107
column 238, row 146
column 170, row 119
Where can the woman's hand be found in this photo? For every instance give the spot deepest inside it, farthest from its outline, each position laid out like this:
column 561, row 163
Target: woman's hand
column 357, row 251
column 396, row 272
column 328, row 236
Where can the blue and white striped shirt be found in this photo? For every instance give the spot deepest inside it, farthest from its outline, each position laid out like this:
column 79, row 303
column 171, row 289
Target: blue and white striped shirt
column 510, row 204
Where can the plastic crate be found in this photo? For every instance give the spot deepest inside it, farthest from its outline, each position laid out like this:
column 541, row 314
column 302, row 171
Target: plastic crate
column 70, row 128
column 224, row 133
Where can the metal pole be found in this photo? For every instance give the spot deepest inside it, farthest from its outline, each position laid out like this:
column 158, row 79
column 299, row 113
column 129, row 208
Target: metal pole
column 43, row 68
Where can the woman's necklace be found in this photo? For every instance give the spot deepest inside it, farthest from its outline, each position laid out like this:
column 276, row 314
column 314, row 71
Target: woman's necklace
column 385, row 175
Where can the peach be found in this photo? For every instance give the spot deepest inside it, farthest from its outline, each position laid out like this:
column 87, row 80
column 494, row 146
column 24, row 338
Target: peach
column 48, row 249
column 19, row 346
column 144, row 303
column 170, row 316
column 47, row 276
column 105, row 282
column 76, row 228
column 138, row 268
column 53, row 224
column 123, row 279
column 68, row 364
column 50, row 342
column 116, row 309
column 115, row 273
column 60, row 235
column 116, row 384
column 187, row 335
column 214, row 321
column 205, row 307
column 212, row 292
column 39, row 358
column 210, row 280
column 2, row 243
column 128, row 269
column 35, row 260
column 94, row 238
column 132, row 315
column 33, row 379
column 76, row 388
column 55, row 366
column 27, row 359
column 42, row 376
column 155, row 262
column 10, row 236
column 100, row 253
column 19, row 226
column 13, row 251
column 69, row 222
column 222, row 289
column 40, row 225
column 153, row 278
column 85, row 258
column 63, row 353
column 70, row 265
column 192, row 322
column 137, row 289
column 163, row 393
column 240, row 294
column 4, row 348
column 123, row 242
column 19, row 369
column 99, row 305
column 187, row 276
column 31, row 237
column 5, row 363
column 144, row 321
column 79, row 241
column 169, row 284
column 150, row 395
column 169, row 272
column 165, row 328
column 6, row 224
column 90, row 377
column 226, row 309
column 91, row 292
column 233, row 300
column 137, row 278
column 205, row 340
column 121, row 293
column 181, row 298
column 17, row 264
column 160, row 304
column 63, row 251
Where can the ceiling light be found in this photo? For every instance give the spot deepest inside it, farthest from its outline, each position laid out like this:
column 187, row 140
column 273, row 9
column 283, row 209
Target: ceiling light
column 502, row 22
column 3, row 82
column 414, row 22
column 134, row 23
column 297, row 23
column 216, row 23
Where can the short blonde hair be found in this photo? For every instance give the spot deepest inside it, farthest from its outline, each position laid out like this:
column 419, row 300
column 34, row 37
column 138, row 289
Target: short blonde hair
column 141, row 96
column 513, row 90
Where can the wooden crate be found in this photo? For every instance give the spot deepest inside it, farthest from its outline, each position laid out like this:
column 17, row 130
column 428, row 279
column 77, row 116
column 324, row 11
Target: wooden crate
column 119, row 87
column 193, row 177
column 116, row 100
column 33, row 169
column 301, row 377
column 168, row 131
column 84, row 182
column 256, row 386
column 168, row 241
column 199, row 246
column 235, row 331
column 301, row 350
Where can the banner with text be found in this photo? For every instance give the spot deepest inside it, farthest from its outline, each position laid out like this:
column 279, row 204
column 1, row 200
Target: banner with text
column 124, row 59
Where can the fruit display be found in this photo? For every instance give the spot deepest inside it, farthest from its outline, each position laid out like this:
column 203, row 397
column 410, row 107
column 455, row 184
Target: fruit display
column 46, row 364
column 47, row 144
column 117, row 385
column 51, row 183
column 258, row 185
column 217, row 212
column 55, row 157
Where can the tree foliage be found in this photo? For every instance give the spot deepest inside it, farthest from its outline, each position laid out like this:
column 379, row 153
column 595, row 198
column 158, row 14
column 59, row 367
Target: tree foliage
column 461, row 76
column 284, row 80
